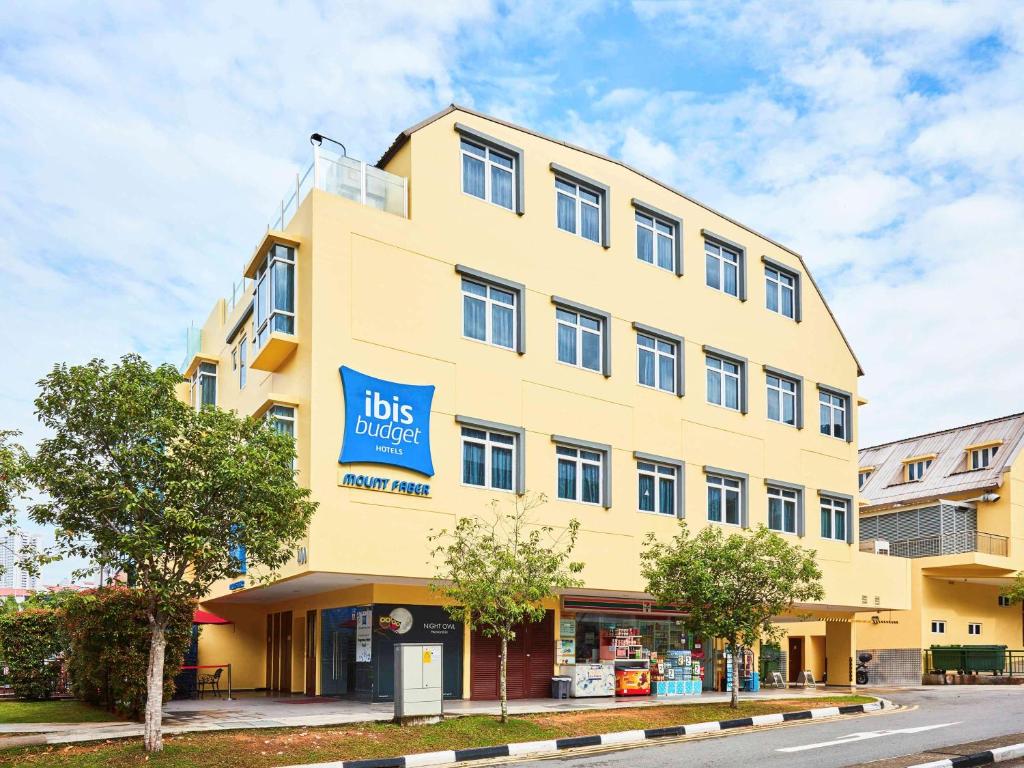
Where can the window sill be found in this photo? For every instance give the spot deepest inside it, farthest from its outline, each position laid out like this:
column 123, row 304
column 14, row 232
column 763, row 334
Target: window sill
column 278, row 348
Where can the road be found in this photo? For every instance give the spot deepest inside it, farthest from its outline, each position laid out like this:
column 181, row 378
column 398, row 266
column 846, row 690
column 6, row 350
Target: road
column 936, row 717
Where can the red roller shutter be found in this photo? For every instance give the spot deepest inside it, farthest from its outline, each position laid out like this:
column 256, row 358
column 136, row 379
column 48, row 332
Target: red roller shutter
column 531, row 659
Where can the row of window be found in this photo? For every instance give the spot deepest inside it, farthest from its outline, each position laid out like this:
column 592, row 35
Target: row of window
column 491, row 171
column 939, row 627
column 916, row 467
column 492, row 458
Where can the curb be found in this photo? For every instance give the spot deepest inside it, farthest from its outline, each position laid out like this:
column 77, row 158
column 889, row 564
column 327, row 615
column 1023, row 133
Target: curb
column 536, row 748
column 989, row 756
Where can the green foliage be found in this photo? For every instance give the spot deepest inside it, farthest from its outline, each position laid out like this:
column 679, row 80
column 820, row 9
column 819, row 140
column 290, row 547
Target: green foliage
column 32, row 644
column 1015, row 591
column 109, row 638
column 733, row 586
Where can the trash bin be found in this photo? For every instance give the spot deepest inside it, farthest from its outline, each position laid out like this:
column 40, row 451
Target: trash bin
column 560, row 687
column 948, row 658
column 985, row 658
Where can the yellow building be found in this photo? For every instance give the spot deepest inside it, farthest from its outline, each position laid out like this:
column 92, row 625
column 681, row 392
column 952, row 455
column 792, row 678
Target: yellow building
column 515, row 313
column 953, row 503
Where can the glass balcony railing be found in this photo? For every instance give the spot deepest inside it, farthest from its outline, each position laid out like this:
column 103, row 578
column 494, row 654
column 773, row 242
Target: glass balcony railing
column 193, row 343
column 346, row 177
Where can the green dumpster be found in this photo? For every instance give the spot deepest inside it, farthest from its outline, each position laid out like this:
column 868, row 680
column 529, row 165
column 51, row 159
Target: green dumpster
column 985, row 658
column 948, row 658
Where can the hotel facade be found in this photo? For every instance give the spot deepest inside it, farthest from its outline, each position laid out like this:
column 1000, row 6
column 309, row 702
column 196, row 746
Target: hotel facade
column 485, row 312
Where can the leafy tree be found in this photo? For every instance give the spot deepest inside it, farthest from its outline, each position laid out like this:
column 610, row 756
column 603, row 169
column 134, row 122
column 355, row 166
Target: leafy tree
column 139, row 481
column 498, row 573
column 733, row 586
column 1015, row 591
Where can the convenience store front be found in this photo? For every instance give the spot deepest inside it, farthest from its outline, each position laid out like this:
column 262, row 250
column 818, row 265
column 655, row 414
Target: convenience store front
column 631, row 648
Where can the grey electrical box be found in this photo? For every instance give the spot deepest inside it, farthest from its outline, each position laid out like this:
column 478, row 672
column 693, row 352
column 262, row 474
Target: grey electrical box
column 419, row 681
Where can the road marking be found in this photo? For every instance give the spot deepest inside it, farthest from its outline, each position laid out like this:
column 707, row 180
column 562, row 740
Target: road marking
column 862, row 735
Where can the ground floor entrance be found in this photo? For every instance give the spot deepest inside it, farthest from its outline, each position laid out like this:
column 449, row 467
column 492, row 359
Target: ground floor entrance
column 279, row 652
column 795, row 658
column 531, row 662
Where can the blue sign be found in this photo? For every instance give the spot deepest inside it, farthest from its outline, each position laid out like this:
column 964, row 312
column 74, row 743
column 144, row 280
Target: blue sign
column 386, row 422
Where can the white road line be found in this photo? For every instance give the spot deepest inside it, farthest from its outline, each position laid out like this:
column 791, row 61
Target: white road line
column 863, row 735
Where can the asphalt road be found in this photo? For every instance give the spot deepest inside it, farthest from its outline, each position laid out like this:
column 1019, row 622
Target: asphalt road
column 935, row 717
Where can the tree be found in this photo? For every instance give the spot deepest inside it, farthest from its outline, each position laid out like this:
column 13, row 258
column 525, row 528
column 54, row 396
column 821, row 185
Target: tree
column 179, row 498
column 498, row 573
column 733, row 586
column 13, row 485
column 1015, row 591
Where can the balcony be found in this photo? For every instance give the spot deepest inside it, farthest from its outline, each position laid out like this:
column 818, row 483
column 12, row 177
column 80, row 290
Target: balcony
column 339, row 174
column 956, row 543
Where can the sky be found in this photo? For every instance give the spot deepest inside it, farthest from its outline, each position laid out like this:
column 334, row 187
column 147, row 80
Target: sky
column 144, row 147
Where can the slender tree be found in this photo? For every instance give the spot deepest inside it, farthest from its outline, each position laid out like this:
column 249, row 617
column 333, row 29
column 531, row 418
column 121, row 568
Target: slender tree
column 733, row 586
column 497, row 573
column 138, row 481
column 13, row 485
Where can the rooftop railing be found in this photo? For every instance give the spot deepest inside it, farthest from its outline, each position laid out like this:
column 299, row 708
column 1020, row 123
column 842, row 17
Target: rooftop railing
column 346, row 177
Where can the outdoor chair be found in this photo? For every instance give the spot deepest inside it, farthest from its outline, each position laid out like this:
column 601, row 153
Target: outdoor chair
column 209, row 682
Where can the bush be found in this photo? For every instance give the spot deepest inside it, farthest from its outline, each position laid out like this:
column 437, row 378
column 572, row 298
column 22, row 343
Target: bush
column 32, row 644
column 109, row 635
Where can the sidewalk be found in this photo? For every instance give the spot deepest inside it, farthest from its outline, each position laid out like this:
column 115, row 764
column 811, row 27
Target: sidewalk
column 257, row 710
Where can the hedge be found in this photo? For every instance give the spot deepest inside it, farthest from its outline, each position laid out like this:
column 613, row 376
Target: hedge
column 109, row 637
column 32, row 643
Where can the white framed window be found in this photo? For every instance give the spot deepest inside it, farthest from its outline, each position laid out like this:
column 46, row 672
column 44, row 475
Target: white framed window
column 655, row 241
column 915, row 470
column 724, row 382
column 203, row 385
column 862, row 477
column 982, row 457
column 243, row 362
column 834, row 409
column 834, row 518
column 578, row 209
column 488, row 459
column 780, row 291
column 488, row 173
column 722, row 267
column 1004, row 601
column 489, row 314
column 973, row 628
column 725, row 499
column 656, row 487
column 938, row 627
column 783, row 399
column 782, row 509
column 580, row 474
column 580, row 339
column 275, row 294
column 656, row 362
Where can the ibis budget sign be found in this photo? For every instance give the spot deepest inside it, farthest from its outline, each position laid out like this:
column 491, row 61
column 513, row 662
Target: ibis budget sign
column 386, row 422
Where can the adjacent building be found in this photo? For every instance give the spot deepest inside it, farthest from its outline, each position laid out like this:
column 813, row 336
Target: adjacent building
column 12, row 575
column 487, row 311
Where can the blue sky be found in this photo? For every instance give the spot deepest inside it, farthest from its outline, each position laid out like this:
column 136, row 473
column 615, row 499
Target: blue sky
column 143, row 147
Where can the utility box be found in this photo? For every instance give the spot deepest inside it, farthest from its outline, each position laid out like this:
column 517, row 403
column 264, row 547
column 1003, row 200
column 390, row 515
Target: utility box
column 419, row 682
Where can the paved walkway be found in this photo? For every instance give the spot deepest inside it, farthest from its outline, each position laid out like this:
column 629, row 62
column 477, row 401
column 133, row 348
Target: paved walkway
column 257, row 710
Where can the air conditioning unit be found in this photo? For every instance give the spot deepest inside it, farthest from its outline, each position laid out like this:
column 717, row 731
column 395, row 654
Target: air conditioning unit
column 881, row 547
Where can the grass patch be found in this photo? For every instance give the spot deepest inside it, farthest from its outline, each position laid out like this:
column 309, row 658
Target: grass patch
column 266, row 748
column 16, row 711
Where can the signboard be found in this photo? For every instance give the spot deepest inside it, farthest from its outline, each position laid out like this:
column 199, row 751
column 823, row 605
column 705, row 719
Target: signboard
column 415, row 624
column 364, row 635
column 386, row 422
column 383, row 484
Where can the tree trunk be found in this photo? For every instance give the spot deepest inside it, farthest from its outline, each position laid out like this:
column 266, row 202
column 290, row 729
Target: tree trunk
column 503, row 680
column 152, row 735
column 734, row 701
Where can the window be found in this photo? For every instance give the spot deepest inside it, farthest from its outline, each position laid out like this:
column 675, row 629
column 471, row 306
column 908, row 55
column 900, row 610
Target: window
column 488, row 174
column 655, row 241
column 783, row 399
column 243, row 362
column 580, row 474
column 582, row 336
column 579, row 210
column 203, row 385
column 833, row 518
column 1004, row 601
column 275, row 294
column 725, row 495
column 938, row 627
column 973, row 629
column 782, row 509
column 982, row 457
column 488, row 459
column 862, row 477
column 781, row 290
column 656, row 362
column 282, row 419
column 488, row 314
column 723, row 265
column 916, row 469
column 725, row 380
column 834, row 408
column 656, row 486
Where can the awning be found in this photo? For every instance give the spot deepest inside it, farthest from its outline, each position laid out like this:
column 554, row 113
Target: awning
column 205, row 617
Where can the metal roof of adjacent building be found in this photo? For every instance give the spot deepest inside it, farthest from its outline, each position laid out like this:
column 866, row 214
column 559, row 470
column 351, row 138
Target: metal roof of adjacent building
column 949, row 472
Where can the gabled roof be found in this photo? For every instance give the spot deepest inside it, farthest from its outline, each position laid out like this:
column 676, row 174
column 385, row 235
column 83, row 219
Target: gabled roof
column 949, row 472
column 405, row 135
